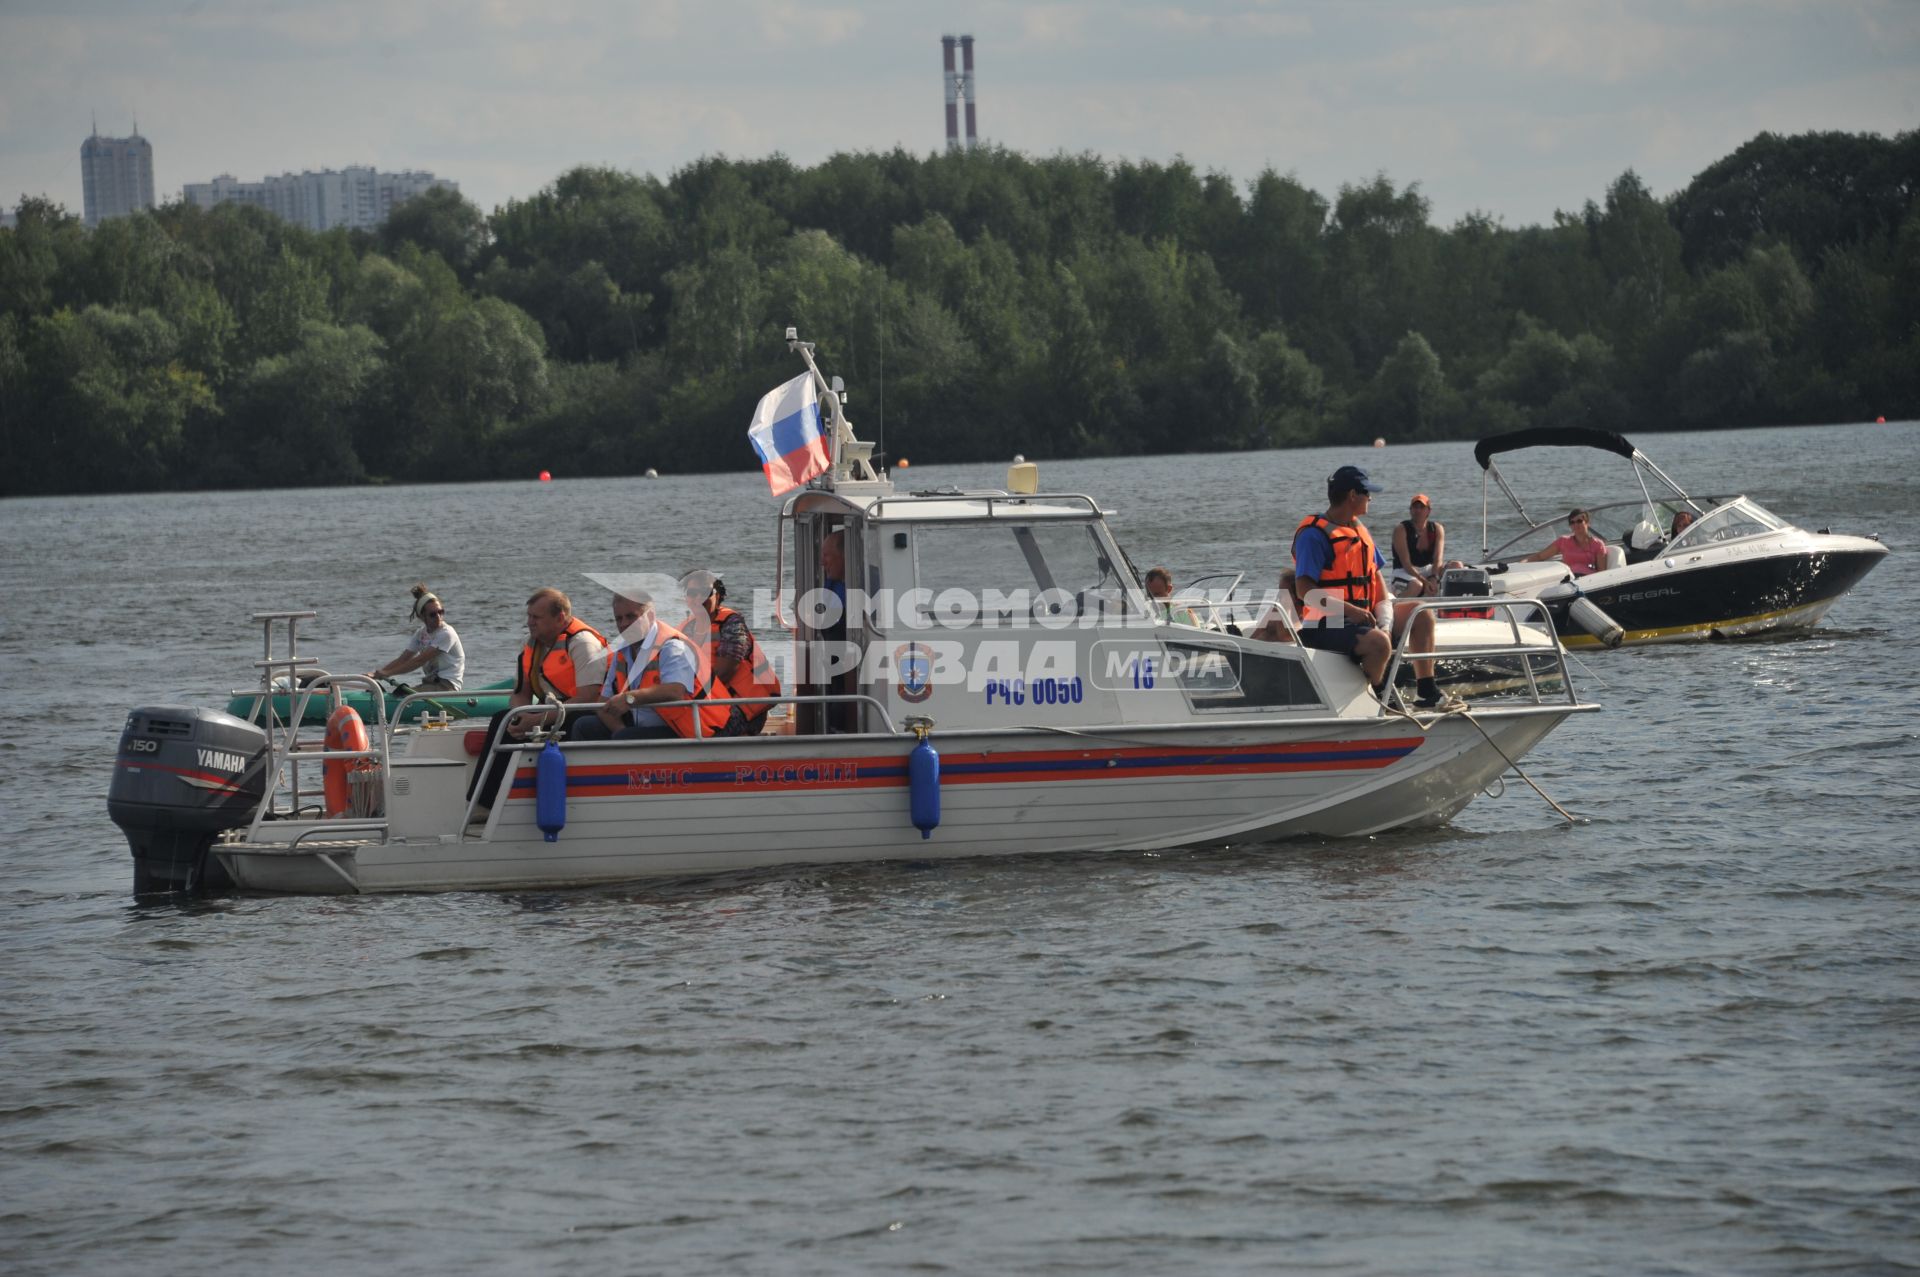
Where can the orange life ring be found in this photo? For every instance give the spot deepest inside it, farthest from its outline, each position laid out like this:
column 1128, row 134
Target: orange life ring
column 344, row 731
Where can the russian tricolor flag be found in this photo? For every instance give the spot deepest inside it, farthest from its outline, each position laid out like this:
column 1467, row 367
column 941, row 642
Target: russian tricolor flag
column 786, row 433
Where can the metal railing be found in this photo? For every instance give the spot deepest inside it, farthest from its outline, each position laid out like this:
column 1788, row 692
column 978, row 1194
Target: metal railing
column 1527, row 652
column 538, row 738
column 285, row 752
column 1071, row 505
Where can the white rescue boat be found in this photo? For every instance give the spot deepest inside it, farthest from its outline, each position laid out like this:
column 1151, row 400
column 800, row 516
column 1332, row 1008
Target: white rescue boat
column 1000, row 684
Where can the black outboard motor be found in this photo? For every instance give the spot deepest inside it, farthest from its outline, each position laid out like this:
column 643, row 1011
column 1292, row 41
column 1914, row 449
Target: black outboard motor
column 1471, row 583
column 182, row 776
column 1467, row 583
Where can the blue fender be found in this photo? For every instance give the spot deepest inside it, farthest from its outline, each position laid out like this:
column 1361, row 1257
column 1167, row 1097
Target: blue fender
column 550, row 792
column 923, row 783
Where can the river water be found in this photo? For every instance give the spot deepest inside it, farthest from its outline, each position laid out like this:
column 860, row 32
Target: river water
column 1682, row 1037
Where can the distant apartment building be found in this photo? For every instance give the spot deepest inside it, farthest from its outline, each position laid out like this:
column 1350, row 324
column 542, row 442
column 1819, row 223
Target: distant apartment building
column 356, row 197
column 116, row 174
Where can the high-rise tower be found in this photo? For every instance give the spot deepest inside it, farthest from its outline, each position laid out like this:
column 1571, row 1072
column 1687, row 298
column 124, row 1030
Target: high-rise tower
column 116, row 175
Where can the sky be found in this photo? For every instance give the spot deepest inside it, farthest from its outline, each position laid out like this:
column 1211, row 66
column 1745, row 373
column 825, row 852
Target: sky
column 1512, row 108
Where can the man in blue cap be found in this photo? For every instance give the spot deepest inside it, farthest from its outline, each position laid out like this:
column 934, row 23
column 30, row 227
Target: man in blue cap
column 1341, row 586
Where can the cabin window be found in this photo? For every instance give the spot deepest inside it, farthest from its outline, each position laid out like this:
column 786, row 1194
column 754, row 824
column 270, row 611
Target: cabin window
column 1004, row 556
column 1229, row 678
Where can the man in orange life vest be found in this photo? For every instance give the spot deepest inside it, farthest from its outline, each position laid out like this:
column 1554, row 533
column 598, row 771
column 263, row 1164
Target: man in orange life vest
column 563, row 655
column 653, row 663
column 740, row 665
column 1342, row 590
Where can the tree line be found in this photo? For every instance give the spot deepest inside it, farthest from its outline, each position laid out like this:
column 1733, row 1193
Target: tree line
column 977, row 303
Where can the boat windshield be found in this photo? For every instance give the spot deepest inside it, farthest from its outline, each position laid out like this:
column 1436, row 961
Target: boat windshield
column 1623, row 523
column 1002, row 556
column 1736, row 519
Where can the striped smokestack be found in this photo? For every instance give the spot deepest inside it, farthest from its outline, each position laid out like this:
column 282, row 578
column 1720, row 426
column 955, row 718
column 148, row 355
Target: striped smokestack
column 966, row 87
column 953, row 90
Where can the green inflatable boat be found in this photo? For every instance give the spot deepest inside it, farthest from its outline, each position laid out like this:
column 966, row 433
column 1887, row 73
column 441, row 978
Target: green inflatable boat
column 473, row 702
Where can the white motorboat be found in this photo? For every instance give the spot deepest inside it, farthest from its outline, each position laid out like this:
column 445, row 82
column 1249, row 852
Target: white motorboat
column 1735, row 569
column 1008, row 689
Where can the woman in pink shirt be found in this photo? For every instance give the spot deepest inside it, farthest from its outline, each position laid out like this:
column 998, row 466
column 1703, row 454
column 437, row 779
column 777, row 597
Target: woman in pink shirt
column 1580, row 550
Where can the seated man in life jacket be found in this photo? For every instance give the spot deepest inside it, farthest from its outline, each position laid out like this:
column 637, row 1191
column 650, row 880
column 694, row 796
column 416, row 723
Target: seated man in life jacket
column 563, row 656
column 652, row 664
column 1341, row 588
column 740, row 664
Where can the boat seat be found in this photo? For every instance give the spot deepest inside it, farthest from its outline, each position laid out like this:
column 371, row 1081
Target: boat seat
column 1616, row 557
column 1642, row 541
column 1638, row 555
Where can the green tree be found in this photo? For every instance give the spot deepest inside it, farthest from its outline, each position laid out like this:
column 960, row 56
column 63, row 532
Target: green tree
column 290, row 294
column 206, row 326
column 16, row 402
column 1408, row 397
column 294, row 416
column 1638, row 252
column 1280, row 261
column 1292, row 392
column 35, row 255
column 438, row 221
column 110, row 404
column 1815, row 190
column 719, row 319
column 128, row 263
column 479, row 371
column 1551, row 381
column 1728, row 380
column 1072, row 402
column 1380, row 254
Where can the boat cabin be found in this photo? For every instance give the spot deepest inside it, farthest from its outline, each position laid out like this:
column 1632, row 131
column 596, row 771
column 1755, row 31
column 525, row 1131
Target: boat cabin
column 986, row 609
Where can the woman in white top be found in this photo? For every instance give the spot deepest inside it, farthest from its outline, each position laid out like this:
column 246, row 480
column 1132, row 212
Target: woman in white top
column 435, row 651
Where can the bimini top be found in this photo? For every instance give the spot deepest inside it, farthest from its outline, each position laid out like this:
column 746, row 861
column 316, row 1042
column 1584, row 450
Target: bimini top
column 1552, row 437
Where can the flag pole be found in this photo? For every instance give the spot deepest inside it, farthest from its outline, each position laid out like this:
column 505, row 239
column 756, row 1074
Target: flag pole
column 836, row 422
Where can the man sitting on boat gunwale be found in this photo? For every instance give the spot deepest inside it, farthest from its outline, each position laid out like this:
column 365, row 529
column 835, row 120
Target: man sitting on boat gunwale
column 1337, row 565
column 651, row 662
column 563, row 654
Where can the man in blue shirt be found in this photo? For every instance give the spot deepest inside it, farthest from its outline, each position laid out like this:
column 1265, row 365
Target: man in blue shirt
column 1341, row 586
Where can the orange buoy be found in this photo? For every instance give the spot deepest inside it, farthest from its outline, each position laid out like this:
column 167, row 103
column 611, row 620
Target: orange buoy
column 900, row 464
column 546, row 476
column 344, row 731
